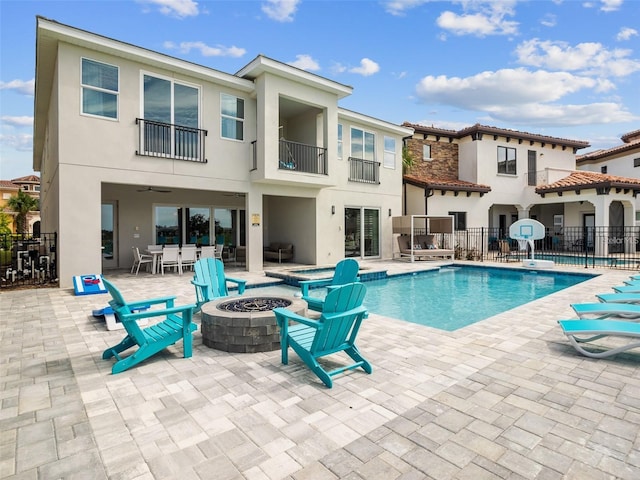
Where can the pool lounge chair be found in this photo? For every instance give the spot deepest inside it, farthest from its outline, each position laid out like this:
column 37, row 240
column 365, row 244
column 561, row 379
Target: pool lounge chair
column 606, row 310
column 584, row 331
column 619, row 297
column 627, row 288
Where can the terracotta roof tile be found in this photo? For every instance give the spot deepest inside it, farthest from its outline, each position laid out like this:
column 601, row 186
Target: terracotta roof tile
column 582, row 179
column 486, row 129
column 446, row 184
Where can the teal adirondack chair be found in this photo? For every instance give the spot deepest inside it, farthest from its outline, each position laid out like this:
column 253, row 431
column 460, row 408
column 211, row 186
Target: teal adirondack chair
column 346, row 271
column 176, row 326
column 335, row 331
column 211, row 282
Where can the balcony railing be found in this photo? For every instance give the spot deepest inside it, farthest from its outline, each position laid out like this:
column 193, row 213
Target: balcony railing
column 299, row 157
column 157, row 139
column 364, row 171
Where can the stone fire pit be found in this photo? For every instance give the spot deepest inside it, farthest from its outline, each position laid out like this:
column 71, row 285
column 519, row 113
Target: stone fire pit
column 245, row 324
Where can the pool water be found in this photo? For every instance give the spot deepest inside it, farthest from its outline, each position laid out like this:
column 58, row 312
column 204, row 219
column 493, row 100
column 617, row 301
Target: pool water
column 454, row 297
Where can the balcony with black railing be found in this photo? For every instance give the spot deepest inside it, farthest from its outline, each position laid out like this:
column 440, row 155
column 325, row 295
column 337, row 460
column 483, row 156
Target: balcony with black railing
column 157, row 139
column 299, row 157
column 364, row 171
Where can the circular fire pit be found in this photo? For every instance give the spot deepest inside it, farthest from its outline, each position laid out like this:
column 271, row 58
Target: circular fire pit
column 245, row 324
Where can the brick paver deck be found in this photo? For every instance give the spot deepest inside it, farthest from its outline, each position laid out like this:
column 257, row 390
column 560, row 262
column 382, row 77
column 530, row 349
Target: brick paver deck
column 504, row 398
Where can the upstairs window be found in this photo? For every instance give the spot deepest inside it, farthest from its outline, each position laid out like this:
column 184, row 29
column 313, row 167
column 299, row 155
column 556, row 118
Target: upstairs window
column 636, row 162
column 507, row 160
column 99, row 89
column 426, row 153
column 389, row 160
column 363, row 144
column 232, row 117
column 603, row 169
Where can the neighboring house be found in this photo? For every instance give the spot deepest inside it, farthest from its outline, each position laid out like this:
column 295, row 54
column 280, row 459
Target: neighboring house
column 136, row 147
column 29, row 184
column 491, row 177
column 622, row 161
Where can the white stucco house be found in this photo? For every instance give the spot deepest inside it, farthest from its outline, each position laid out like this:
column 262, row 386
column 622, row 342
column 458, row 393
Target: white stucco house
column 491, row 177
column 136, row 147
column 622, row 160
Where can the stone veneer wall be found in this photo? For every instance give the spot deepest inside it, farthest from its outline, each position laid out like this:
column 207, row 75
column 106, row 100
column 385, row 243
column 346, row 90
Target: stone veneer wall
column 445, row 159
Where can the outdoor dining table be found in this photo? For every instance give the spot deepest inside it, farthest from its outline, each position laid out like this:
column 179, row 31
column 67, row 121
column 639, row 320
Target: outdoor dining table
column 156, row 253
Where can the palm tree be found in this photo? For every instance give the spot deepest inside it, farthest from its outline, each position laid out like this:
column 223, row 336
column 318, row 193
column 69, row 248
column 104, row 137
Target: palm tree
column 22, row 204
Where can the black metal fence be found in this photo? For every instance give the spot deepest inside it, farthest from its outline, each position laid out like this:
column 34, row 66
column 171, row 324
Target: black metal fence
column 27, row 260
column 590, row 247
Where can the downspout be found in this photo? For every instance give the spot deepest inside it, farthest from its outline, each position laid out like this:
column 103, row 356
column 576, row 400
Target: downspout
column 428, row 193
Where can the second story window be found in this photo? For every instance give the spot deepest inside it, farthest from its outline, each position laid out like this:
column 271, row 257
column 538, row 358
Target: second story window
column 339, row 141
column 389, row 160
column 507, row 160
column 232, row 113
column 426, row 153
column 99, row 89
column 363, row 144
column 603, row 169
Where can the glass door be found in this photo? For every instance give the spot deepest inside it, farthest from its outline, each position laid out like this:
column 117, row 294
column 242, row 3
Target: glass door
column 362, row 232
column 109, row 235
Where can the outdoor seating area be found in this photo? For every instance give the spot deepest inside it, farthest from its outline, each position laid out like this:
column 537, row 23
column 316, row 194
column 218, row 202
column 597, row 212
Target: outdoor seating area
column 491, row 398
column 278, row 251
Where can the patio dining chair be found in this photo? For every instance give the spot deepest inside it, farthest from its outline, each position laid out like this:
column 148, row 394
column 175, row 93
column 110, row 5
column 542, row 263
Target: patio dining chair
column 208, row 251
column 219, row 249
column 188, row 257
column 140, row 259
column 170, row 259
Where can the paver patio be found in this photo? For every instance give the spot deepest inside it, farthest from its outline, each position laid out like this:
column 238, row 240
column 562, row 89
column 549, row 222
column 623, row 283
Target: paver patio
column 504, row 398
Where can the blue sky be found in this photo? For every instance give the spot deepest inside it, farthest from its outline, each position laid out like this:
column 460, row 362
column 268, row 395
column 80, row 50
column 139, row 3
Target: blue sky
column 563, row 68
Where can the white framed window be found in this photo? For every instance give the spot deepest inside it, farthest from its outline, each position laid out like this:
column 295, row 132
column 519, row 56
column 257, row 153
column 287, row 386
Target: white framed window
column 232, row 117
column 100, row 84
column 507, row 160
column 389, row 158
column 426, row 153
column 363, row 144
column 339, row 141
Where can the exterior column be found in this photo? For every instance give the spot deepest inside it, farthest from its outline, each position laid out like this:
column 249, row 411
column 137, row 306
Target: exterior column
column 602, row 204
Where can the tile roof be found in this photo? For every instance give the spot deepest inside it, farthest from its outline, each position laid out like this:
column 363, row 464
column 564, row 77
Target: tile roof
column 8, row 185
column 604, row 153
column 27, row 179
column 445, row 184
column 485, row 129
column 581, row 180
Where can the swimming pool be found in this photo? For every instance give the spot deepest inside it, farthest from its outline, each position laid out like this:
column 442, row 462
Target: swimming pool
column 453, row 297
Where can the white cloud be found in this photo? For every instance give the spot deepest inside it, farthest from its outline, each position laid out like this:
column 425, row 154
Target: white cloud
column 626, row 33
column 206, row 50
column 367, row 67
column 522, row 97
column 508, row 87
column 280, row 10
column 338, row 68
column 587, row 58
column 564, row 115
column 398, row 7
column 305, row 62
column 549, row 20
column 610, row 5
column 21, row 142
column 23, row 121
column 480, row 18
column 175, row 8
column 20, row 86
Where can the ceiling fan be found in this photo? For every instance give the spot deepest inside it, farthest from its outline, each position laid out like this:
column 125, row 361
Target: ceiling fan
column 152, row 189
column 237, row 195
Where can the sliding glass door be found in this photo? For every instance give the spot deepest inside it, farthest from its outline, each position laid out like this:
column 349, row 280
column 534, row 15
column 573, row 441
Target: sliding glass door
column 362, row 232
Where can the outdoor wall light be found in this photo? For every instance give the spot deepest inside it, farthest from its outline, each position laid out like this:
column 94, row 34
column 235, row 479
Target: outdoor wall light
column 389, row 212
column 333, row 209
